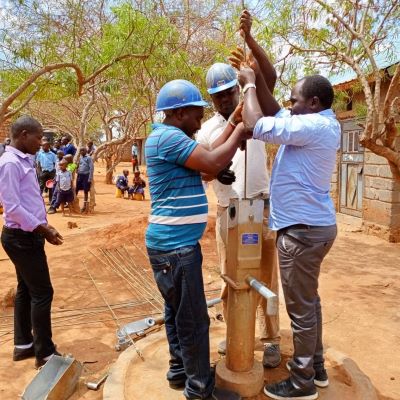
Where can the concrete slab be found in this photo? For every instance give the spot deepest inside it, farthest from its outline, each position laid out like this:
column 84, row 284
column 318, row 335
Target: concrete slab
column 131, row 378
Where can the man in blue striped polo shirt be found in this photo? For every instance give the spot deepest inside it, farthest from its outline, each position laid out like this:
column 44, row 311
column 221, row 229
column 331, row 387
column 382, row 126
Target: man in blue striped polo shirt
column 177, row 222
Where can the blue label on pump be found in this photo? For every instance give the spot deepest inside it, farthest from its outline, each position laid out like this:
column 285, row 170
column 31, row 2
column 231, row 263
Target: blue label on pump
column 250, row 238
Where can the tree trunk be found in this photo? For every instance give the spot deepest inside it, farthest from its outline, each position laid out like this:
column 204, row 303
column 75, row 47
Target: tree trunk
column 109, row 170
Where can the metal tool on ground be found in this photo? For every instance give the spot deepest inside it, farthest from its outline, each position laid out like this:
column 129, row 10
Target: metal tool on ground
column 95, row 385
column 56, row 380
column 141, row 327
column 243, row 222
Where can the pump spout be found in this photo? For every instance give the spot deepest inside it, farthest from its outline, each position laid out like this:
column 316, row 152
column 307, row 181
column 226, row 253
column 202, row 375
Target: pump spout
column 271, row 297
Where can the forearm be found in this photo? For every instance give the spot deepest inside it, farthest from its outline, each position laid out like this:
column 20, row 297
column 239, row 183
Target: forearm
column 267, row 69
column 251, row 109
column 224, row 136
column 213, row 161
column 219, row 158
column 265, row 99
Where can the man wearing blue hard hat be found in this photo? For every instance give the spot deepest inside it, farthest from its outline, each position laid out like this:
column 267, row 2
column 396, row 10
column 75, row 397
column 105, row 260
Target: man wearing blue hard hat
column 177, row 221
column 224, row 90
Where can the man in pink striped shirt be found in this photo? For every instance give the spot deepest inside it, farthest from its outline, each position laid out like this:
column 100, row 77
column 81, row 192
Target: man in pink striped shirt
column 23, row 237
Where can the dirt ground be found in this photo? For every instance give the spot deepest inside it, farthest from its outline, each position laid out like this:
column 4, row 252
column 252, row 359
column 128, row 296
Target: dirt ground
column 359, row 287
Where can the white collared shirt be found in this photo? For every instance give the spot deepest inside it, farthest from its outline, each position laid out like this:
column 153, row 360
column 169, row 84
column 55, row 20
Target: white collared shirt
column 257, row 174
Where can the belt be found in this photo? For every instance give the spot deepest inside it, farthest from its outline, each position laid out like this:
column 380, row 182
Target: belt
column 297, row 226
column 19, row 232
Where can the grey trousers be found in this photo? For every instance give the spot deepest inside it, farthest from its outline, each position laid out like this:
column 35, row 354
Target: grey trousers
column 301, row 250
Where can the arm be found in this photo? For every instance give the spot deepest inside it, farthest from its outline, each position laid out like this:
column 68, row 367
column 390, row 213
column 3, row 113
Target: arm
column 295, row 130
column 12, row 205
column 268, row 72
column 212, row 162
column 10, row 177
column 251, row 110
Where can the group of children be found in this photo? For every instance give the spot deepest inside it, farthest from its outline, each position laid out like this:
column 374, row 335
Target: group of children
column 136, row 190
column 63, row 187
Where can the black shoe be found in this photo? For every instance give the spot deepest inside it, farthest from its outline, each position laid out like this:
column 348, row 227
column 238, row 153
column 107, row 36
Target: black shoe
column 51, row 210
column 23, row 354
column 41, row 361
column 223, row 394
column 177, row 384
column 284, row 390
column 321, row 376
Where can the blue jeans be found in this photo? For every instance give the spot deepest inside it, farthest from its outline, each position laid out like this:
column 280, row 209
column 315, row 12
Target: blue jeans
column 179, row 278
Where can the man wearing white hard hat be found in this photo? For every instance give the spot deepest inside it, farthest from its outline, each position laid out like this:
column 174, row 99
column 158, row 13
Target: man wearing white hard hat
column 177, row 221
column 223, row 87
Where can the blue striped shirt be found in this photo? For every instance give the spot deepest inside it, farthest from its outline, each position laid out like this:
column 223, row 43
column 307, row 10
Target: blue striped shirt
column 179, row 206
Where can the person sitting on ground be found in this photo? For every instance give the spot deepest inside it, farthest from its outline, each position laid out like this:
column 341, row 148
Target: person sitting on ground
column 138, row 186
column 85, row 176
column 122, row 182
column 64, row 184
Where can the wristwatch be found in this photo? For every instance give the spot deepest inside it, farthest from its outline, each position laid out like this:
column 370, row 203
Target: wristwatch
column 247, row 86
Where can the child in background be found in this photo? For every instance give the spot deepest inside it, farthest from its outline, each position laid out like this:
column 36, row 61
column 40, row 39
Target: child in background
column 122, row 182
column 64, row 183
column 71, row 166
column 138, row 186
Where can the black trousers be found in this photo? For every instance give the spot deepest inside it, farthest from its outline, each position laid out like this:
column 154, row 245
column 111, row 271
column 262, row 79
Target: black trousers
column 44, row 176
column 32, row 320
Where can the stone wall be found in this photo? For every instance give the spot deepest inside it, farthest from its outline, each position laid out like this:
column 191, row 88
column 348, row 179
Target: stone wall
column 335, row 183
column 381, row 202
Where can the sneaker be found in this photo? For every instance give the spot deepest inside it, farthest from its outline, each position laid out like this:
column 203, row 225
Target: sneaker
column 272, row 355
column 23, row 354
column 222, row 348
column 51, row 210
column 321, row 376
column 41, row 361
column 284, row 390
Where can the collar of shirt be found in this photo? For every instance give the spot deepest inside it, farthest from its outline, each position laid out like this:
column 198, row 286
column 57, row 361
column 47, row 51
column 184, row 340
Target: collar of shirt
column 20, row 154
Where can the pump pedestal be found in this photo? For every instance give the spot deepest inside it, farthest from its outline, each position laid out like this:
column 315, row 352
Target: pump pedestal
column 239, row 371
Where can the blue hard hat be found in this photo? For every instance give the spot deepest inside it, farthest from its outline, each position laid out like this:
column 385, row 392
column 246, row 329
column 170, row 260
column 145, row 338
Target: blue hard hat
column 179, row 93
column 220, row 77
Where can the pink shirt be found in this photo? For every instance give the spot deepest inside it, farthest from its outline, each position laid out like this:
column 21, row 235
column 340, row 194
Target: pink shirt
column 19, row 191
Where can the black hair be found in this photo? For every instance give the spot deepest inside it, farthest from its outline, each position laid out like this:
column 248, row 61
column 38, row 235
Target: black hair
column 25, row 123
column 317, row 85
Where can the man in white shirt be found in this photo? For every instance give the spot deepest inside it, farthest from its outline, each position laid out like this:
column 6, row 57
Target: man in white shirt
column 224, row 90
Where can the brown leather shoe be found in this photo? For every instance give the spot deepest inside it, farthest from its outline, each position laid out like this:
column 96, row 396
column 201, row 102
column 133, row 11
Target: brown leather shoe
column 41, row 361
column 23, row 354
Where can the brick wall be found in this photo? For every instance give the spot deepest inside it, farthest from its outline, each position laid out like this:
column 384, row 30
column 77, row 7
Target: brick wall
column 381, row 203
column 4, row 131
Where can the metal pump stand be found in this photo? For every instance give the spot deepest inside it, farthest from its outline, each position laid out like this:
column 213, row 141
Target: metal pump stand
column 243, row 224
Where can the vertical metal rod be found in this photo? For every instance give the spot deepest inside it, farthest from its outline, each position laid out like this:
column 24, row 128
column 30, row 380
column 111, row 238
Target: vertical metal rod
column 245, row 149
